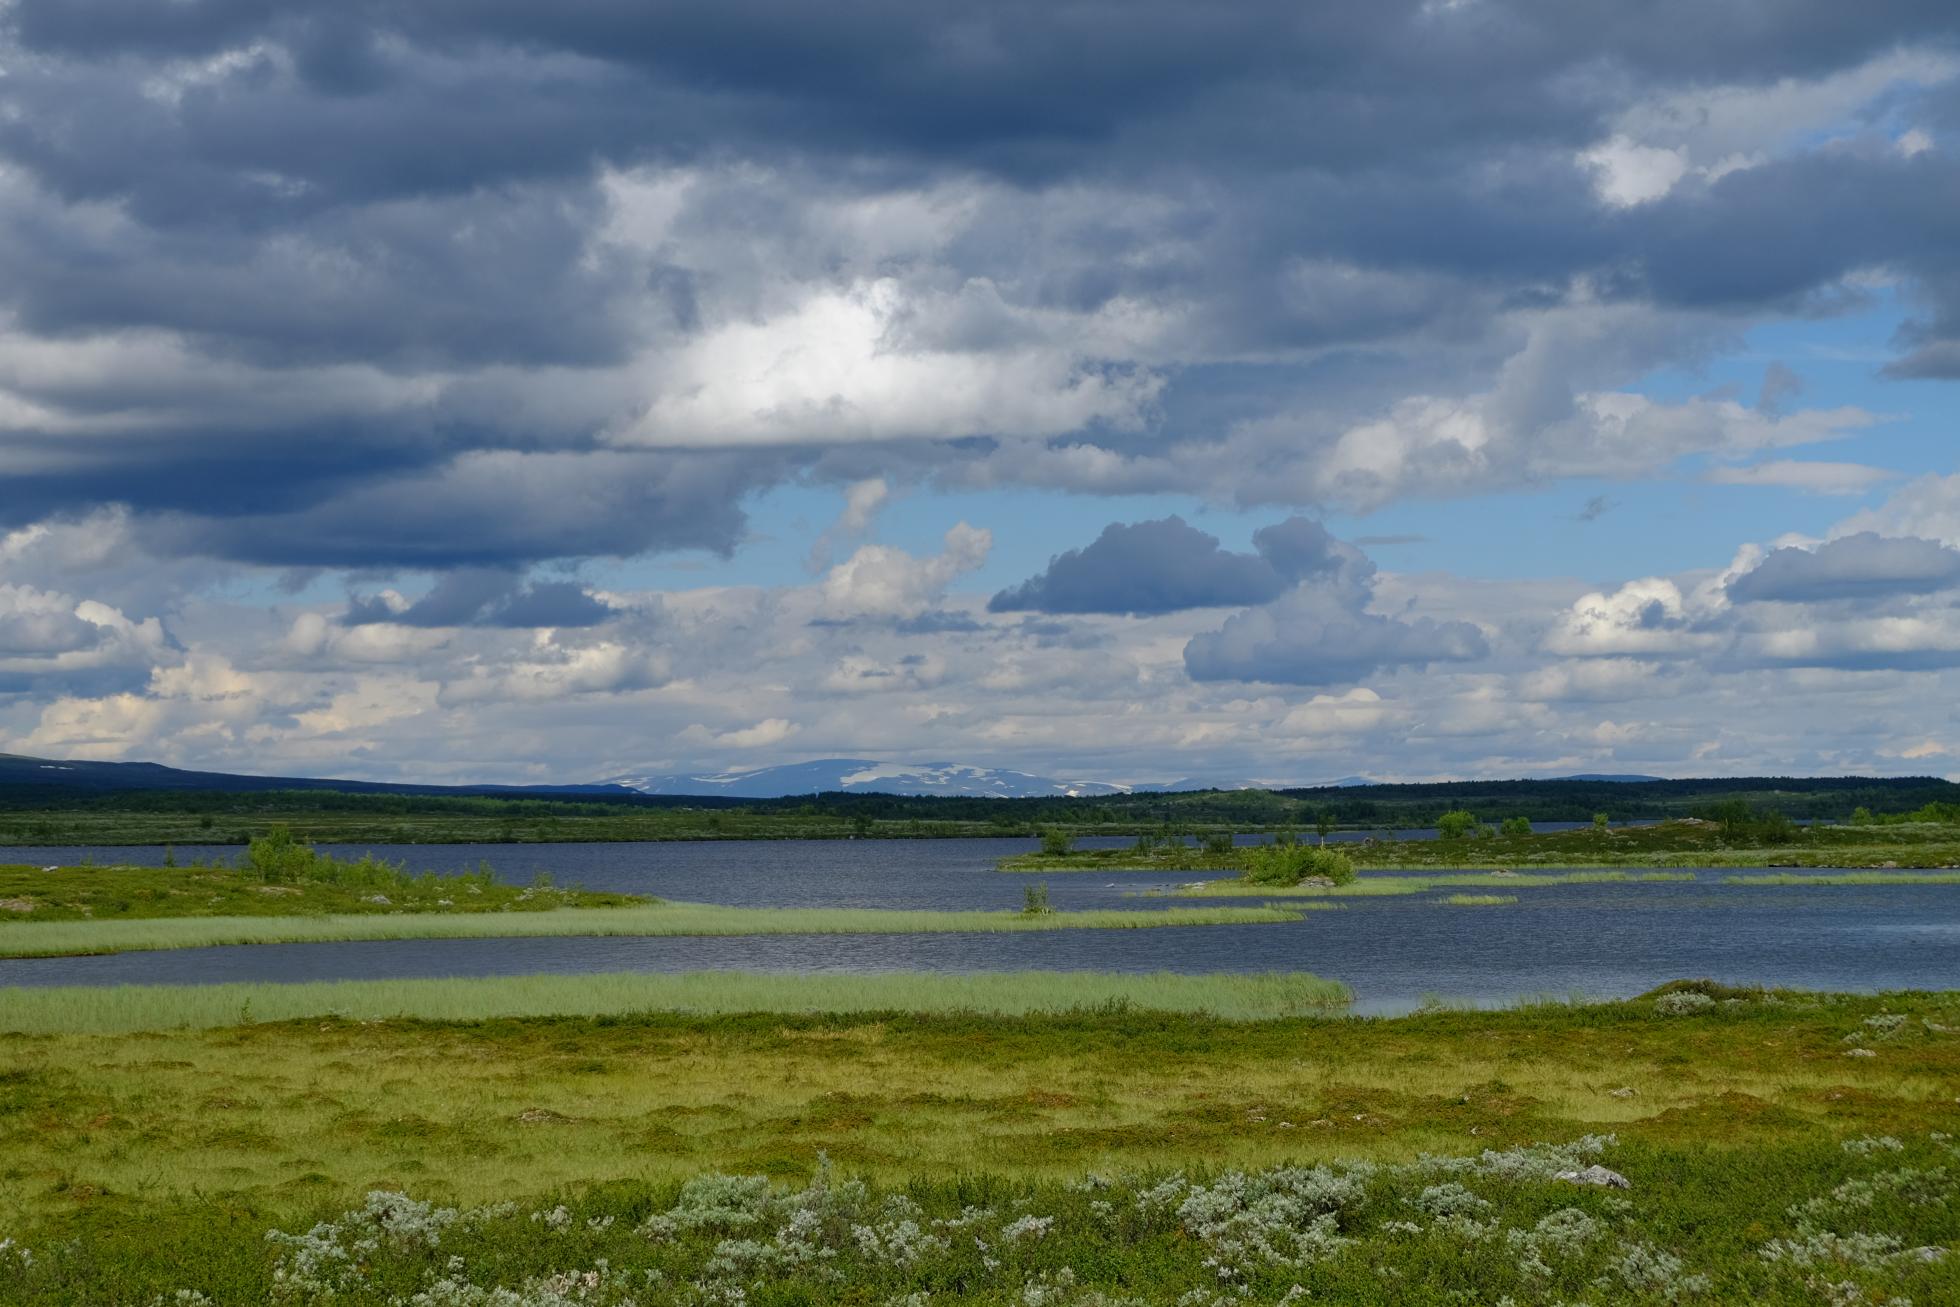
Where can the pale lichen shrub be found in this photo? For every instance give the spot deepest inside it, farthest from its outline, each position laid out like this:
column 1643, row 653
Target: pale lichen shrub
column 1563, row 1235
column 1683, row 1003
column 1289, row 1216
column 1451, row 1199
column 1645, row 1269
column 334, row 1255
column 714, row 1203
column 1525, row 1162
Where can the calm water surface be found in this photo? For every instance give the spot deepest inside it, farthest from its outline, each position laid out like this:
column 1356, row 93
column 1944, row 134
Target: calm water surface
column 1601, row 940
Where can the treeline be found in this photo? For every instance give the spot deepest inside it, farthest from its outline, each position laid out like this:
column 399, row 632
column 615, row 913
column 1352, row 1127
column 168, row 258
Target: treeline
column 1390, row 806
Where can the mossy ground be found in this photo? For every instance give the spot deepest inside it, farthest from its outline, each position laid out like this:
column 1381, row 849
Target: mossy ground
column 479, row 1110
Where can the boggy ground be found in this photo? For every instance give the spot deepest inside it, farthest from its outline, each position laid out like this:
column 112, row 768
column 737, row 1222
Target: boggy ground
column 138, row 1165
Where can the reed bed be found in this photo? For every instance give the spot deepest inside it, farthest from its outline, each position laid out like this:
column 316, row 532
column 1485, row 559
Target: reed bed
column 1478, row 900
column 1391, row 886
column 119, row 1009
column 70, row 938
column 1850, row 878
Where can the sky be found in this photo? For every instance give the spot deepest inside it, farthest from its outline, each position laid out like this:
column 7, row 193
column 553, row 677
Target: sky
column 482, row 391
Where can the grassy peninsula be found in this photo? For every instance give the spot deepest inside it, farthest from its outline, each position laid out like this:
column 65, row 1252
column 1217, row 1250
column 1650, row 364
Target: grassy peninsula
column 1769, row 1143
column 281, row 891
column 73, row 938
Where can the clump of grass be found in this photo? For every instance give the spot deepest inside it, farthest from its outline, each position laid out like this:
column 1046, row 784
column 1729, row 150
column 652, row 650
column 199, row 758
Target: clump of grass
column 64, row 938
column 1478, row 900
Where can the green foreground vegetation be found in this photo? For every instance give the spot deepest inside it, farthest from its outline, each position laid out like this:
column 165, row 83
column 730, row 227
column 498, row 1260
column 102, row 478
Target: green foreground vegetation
column 1777, row 1148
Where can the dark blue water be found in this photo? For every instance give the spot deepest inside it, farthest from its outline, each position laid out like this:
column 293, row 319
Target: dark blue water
column 1596, row 940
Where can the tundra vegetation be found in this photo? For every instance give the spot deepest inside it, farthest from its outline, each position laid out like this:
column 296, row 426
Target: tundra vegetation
column 1776, row 1148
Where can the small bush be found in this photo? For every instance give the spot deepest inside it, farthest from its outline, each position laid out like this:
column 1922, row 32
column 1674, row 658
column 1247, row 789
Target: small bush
column 1515, row 826
column 1218, row 845
column 1457, row 825
column 1035, row 901
column 1289, row 864
column 1683, row 1003
column 1055, row 843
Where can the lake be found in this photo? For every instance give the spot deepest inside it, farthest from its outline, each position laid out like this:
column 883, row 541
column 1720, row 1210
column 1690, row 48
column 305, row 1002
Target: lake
column 1597, row 940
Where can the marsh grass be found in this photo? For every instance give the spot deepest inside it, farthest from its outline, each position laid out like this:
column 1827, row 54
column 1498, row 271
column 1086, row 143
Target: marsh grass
column 85, row 1009
column 66, row 938
column 1850, row 878
column 1478, row 900
column 1386, row 886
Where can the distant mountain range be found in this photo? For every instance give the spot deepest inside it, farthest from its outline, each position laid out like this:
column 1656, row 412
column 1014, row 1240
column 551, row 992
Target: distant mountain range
column 825, row 775
column 867, row 776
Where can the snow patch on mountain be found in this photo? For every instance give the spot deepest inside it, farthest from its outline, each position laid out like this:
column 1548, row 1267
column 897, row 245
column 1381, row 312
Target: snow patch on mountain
column 868, row 776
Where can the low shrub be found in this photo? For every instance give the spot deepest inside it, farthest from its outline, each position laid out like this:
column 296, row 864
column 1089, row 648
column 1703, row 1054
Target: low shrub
column 1289, row 864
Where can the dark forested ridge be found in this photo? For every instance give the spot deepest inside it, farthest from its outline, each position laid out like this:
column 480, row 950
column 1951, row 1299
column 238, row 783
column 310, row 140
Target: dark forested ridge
column 38, row 785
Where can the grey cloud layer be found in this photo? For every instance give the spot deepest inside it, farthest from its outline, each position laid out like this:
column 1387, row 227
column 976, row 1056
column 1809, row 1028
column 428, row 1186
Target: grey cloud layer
column 1861, row 566
column 1306, row 597
column 300, row 259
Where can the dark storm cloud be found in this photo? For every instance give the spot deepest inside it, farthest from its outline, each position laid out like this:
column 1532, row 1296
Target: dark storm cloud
column 1169, row 565
column 485, row 596
column 390, row 211
column 1145, row 567
column 489, row 510
column 1862, row 566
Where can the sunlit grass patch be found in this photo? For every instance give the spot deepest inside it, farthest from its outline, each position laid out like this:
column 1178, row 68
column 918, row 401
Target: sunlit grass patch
column 63, row 938
column 1478, row 900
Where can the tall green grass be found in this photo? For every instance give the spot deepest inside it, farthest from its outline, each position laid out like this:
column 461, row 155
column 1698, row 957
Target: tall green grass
column 1389, row 886
column 65, row 938
column 123, row 1008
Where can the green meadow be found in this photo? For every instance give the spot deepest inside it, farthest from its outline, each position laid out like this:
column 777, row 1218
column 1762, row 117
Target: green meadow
column 1046, row 1140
